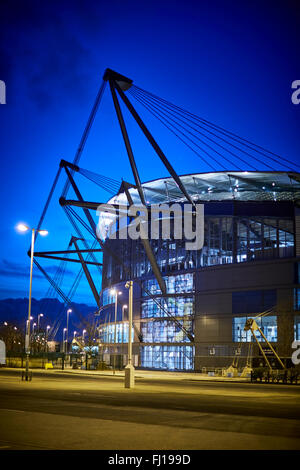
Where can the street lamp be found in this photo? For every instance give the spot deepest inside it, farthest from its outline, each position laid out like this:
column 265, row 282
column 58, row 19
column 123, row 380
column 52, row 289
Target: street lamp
column 123, row 308
column 75, row 332
column 40, row 315
column 129, row 369
column 68, row 313
column 115, row 293
column 83, row 333
column 32, row 339
column 47, row 332
column 24, row 228
column 64, row 339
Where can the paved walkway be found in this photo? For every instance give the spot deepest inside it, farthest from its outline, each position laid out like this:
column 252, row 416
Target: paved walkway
column 139, row 374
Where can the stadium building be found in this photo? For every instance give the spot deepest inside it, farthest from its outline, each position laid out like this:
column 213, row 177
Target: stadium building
column 190, row 305
column 249, row 264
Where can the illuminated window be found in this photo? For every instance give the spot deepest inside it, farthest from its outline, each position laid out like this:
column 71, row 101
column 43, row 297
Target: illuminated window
column 167, row 357
column 107, row 333
column 297, row 328
column 177, row 306
column 267, row 324
column 107, row 297
column 175, row 284
column 165, row 331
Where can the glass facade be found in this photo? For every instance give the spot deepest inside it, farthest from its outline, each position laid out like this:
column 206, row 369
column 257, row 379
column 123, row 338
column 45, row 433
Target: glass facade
column 165, row 331
column 297, row 299
column 167, row 357
column 107, row 297
column 227, row 239
column 178, row 306
column 107, row 333
column 240, row 239
column 297, row 328
column 175, row 284
column 157, row 329
column 267, row 324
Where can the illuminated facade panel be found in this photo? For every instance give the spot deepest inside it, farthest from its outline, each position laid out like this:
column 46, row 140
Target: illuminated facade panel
column 267, row 324
column 107, row 333
column 165, row 331
column 228, row 239
column 167, row 357
column 107, row 297
column 297, row 328
column 178, row 284
column 178, row 306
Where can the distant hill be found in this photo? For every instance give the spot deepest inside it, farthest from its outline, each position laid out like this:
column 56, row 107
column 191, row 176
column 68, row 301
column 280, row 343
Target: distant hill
column 16, row 311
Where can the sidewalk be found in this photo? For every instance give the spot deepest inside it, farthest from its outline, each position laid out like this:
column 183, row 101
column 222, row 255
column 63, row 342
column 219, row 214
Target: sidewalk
column 144, row 374
column 139, row 374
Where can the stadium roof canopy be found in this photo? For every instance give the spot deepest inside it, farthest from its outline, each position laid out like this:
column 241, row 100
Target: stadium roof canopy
column 221, row 186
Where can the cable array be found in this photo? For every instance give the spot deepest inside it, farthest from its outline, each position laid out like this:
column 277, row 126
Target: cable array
column 214, row 145
column 108, row 184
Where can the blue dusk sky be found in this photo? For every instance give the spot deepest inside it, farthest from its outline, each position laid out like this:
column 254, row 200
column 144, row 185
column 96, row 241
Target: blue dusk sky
column 232, row 63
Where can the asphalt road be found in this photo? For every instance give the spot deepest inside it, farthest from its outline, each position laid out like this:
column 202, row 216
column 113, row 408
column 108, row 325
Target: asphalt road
column 57, row 411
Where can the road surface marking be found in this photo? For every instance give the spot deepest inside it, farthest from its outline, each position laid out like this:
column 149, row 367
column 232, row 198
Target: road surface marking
column 16, row 411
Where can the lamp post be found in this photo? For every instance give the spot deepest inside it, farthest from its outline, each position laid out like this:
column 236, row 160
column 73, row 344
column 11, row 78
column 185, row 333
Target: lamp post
column 33, row 340
column 40, row 315
column 123, row 308
column 47, row 332
column 74, row 335
column 129, row 369
column 67, row 329
column 24, row 228
column 115, row 293
column 83, row 333
column 64, row 339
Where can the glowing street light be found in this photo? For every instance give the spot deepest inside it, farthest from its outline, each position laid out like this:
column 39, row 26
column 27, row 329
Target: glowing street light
column 64, row 339
column 47, row 333
column 123, row 308
column 68, row 313
column 40, row 315
column 21, row 227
